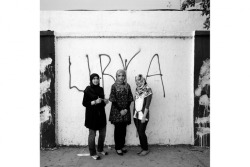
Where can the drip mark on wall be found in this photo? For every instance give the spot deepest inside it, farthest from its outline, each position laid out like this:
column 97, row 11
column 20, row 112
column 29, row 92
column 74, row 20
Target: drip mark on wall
column 202, row 133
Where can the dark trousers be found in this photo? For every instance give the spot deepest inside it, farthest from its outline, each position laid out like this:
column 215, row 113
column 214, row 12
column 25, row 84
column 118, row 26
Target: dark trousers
column 120, row 135
column 141, row 128
column 91, row 140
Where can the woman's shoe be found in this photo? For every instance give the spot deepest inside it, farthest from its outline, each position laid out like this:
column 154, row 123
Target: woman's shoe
column 124, row 150
column 119, row 152
column 144, row 152
column 103, row 153
column 139, row 152
column 96, row 157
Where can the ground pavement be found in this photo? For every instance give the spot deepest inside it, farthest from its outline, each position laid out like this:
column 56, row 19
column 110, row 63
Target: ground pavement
column 159, row 156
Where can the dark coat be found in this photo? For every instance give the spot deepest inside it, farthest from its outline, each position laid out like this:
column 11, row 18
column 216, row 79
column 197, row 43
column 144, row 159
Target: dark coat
column 95, row 116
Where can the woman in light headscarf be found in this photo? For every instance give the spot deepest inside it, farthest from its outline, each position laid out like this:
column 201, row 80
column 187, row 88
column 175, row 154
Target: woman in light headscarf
column 143, row 96
column 121, row 98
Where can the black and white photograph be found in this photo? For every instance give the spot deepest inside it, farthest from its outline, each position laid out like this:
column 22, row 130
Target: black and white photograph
column 112, row 83
column 125, row 83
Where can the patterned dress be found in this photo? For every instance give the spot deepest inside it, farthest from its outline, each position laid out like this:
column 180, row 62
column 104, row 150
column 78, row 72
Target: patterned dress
column 121, row 98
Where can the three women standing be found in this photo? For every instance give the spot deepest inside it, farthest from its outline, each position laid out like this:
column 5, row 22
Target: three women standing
column 121, row 98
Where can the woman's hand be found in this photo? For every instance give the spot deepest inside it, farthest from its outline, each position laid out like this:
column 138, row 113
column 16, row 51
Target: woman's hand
column 106, row 101
column 144, row 115
column 93, row 102
column 143, row 119
column 99, row 100
column 123, row 112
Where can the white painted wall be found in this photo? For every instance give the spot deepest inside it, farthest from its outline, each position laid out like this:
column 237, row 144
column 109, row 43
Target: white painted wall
column 109, row 4
column 168, row 34
column 122, row 22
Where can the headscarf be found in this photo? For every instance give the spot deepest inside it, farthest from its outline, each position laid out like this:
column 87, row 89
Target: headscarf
column 120, row 72
column 92, row 76
column 142, row 88
column 94, row 91
column 121, row 85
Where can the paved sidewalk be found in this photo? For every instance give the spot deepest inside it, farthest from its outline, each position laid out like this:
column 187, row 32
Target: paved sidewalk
column 159, row 156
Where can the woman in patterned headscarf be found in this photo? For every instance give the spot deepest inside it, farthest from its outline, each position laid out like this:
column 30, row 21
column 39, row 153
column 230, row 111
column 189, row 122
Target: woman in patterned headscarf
column 121, row 98
column 143, row 96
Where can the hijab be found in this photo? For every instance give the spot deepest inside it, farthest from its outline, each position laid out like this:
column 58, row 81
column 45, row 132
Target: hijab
column 92, row 76
column 119, row 84
column 120, row 72
column 142, row 88
column 94, row 90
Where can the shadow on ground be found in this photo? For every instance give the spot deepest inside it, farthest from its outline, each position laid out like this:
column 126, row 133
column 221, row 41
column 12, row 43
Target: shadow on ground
column 159, row 156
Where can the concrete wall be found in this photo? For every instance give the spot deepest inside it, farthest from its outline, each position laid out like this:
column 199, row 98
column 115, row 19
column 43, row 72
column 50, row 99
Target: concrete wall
column 133, row 23
column 109, row 4
column 127, row 33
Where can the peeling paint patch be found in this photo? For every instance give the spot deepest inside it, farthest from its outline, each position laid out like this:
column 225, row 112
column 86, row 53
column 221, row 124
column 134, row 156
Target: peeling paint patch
column 198, row 91
column 44, row 87
column 203, row 93
column 47, row 91
column 202, row 120
column 45, row 114
column 203, row 131
column 204, row 100
column 205, row 68
column 44, row 63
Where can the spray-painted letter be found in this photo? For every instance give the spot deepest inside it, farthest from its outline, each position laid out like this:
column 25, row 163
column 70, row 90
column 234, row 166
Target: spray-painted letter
column 71, row 87
column 156, row 55
column 125, row 67
column 102, row 71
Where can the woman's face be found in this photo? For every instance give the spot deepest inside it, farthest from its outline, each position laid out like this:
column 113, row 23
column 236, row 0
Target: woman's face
column 95, row 80
column 121, row 77
column 139, row 84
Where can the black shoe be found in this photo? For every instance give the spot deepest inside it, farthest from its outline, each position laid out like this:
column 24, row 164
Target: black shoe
column 124, row 150
column 119, row 153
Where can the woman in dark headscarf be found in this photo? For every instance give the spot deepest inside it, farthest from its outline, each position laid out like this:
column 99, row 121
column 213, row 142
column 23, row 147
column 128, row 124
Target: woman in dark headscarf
column 121, row 98
column 143, row 96
column 95, row 116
